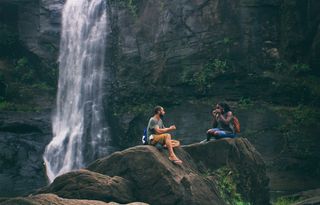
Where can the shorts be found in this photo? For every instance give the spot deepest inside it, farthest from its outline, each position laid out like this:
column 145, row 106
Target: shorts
column 161, row 138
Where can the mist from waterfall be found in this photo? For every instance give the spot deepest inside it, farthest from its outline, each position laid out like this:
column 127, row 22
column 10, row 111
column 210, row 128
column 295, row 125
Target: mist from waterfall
column 79, row 132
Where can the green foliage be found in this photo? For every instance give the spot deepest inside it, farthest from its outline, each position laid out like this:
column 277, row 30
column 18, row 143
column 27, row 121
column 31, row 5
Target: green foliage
column 285, row 201
column 203, row 80
column 245, row 103
column 135, row 107
column 20, row 107
column 26, row 84
column 6, row 106
column 279, row 67
column 299, row 132
column 226, row 183
column 23, row 71
column 131, row 5
column 8, row 39
column 300, row 68
column 291, row 70
column 226, row 40
column 50, row 47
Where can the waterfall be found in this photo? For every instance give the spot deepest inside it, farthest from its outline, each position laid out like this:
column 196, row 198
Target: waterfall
column 79, row 132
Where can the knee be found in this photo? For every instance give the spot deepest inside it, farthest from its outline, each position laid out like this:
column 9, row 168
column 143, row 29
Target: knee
column 168, row 136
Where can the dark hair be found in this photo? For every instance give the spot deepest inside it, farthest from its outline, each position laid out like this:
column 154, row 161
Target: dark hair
column 157, row 109
column 225, row 106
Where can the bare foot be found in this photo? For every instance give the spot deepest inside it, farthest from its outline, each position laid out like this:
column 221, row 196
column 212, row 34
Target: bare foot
column 175, row 160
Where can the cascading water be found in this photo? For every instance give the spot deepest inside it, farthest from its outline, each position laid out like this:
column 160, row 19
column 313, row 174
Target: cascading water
column 79, row 133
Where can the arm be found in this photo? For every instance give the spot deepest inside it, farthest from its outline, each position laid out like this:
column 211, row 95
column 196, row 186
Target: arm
column 215, row 116
column 164, row 130
column 214, row 122
column 227, row 119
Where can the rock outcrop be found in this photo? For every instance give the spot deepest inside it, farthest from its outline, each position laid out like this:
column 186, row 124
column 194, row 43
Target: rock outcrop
column 155, row 177
column 144, row 173
column 84, row 184
column 310, row 197
column 242, row 158
column 49, row 199
column 22, row 142
column 38, row 25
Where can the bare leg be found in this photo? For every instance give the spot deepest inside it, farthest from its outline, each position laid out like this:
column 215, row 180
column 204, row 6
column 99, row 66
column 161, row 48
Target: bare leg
column 172, row 155
column 211, row 133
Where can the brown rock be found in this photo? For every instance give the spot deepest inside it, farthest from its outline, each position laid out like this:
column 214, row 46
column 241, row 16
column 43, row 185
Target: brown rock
column 50, row 199
column 239, row 155
column 156, row 179
column 84, row 184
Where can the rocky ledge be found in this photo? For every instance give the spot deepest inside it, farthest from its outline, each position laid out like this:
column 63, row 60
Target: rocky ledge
column 144, row 173
column 23, row 137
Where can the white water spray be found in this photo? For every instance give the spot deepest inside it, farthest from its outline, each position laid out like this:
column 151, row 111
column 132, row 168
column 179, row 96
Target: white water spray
column 79, row 134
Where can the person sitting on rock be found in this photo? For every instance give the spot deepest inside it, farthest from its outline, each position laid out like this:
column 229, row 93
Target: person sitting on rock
column 157, row 133
column 222, row 126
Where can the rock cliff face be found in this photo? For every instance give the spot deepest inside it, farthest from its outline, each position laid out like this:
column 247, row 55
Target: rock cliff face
column 180, row 50
column 22, row 142
column 239, row 51
column 38, row 24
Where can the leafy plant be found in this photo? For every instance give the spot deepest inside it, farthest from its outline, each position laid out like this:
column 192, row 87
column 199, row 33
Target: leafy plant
column 225, row 179
column 298, row 136
column 295, row 69
column 4, row 105
column 285, row 201
column 130, row 4
column 245, row 103
column 300, row 68
column 133, row 7
column 203, row 80
column 23, row 71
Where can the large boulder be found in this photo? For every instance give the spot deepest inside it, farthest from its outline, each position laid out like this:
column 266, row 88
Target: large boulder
column 144, row 166
column 156, row 179
column 144, row 173
column 239, row 155
column 84, row 184
column 310, row 197
column 49, row 199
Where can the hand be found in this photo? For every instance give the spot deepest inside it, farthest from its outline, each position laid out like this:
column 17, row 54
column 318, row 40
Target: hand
column 172, row 127
column 216, row 112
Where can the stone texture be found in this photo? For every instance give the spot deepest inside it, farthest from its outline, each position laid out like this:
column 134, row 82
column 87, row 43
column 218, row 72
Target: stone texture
column 38, row 24
column 49, row 199
column 310, row 197
column 155, row 178
column 84, row 184
column 152, row 44
column 155, row 44
column 239, row 155
column 150, row 171
column 23, row 137
column 39, row 27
